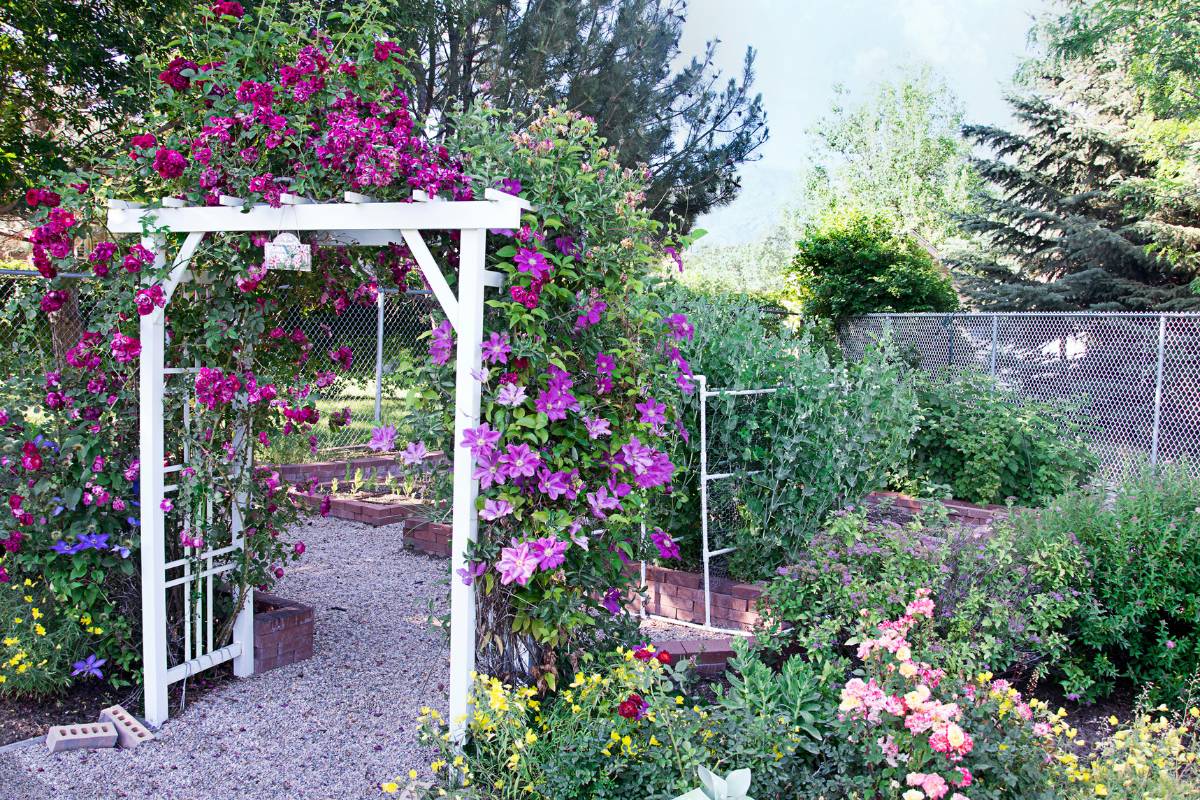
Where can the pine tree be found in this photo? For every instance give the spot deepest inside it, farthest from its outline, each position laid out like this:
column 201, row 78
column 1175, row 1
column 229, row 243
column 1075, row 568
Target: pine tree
column 613, row 60
column 1061, row 214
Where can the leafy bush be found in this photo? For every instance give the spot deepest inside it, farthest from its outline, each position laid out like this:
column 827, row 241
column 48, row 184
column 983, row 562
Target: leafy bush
column 1140, row 612
column 830, row 434
column 984, row 443
column 905, row 723
column 852, row 263
column 1154, row 755
column 39, row 640
column 625, row 728
column 1005, row 593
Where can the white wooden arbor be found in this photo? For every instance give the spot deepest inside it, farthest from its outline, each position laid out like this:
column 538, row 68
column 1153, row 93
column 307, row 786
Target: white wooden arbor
column 358, row 220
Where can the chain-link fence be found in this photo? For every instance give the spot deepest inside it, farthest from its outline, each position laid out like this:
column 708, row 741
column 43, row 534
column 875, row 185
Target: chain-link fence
column 386, row 341
column 1132, row 379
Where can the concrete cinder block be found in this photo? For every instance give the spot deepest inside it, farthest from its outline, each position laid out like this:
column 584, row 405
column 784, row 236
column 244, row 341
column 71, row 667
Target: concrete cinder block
column 130, row 732
column 89, row 736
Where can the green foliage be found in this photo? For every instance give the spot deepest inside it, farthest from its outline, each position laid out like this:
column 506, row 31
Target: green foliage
column 829, row 435
column 1155, row 42
column 632, row 727
column 898, row 154
column 1005, row 593
column 62, row 66
column 40, row 637
column 985, row 444
column 1141, row 602
column 852, row 262
column 1091, row 201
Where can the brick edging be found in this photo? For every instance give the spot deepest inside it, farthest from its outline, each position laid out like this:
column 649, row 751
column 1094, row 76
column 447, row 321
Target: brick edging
column 420, row 534
column 959, row 510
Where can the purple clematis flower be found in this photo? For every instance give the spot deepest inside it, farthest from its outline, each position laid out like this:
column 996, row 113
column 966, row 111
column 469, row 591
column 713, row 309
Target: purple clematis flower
column 612, row 601
column 519, row 460
column 496, row 349
column 652, row 412
column 597, row 427
column 441, row 343
column 516, row 564
column 383, row 439
column 64, row 549
column 495, row 509
column 415, row 453
column 89, row 666
column 549, row 551
column 667, row 547
column 480, row 440
column 533, row 262
column 511, row 394
column 489, row 470
column 93, row 541
column 472, row 571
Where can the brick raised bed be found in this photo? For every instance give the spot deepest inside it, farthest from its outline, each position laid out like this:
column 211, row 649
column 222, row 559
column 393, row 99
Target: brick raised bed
column 283, row 632
column 959, row 511
column 676, row 594
column 709, row 655
column 419, row 533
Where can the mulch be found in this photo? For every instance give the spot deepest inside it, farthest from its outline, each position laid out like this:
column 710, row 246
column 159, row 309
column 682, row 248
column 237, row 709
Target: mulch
column 27, row 717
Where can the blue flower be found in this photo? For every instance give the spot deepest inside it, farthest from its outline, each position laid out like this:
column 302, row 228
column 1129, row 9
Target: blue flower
column 89, row 666
column 95, row 541
column 62, row 548
column 123, row 551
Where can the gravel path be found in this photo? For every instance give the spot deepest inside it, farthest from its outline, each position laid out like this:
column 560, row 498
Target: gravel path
column 332, row 727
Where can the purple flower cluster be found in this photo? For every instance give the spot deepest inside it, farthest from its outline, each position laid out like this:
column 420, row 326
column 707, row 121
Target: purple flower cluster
column 518, row 562
column 556, row 399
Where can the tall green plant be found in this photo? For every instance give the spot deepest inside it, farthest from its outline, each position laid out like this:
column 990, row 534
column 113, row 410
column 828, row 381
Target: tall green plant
column 1141, row 595
column 983, row 443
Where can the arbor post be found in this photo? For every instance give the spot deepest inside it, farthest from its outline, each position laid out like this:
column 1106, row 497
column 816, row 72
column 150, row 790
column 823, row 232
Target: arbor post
column 151, row 517
column 466, row 488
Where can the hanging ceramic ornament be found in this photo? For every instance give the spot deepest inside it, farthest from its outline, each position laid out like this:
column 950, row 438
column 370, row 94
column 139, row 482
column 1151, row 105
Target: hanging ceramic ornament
column 287, row 252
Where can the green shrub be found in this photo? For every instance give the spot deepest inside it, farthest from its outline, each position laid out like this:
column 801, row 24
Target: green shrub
column 980, row 442
column 1005, row 593
column 831, row 434
column 39, row 640
column 1140, row 615
column 852, row 263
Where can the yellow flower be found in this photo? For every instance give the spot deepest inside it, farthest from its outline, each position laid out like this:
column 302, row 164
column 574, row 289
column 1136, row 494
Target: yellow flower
column 391, row 787
column 36, row 613
column 412, row 774
column 1100, row 789
column 39, row 630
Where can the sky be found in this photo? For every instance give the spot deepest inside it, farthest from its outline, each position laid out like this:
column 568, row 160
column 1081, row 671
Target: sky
column 806, row 47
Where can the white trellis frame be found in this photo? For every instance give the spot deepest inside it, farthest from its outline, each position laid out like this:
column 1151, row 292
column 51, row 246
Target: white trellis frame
column 358, row 220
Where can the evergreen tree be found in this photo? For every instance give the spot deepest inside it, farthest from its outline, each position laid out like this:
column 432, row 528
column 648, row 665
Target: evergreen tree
column 1062, row 214
column 612, row 60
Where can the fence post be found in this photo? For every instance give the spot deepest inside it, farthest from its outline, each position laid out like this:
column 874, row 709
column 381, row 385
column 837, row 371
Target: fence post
column 703, row 381
column 379, row 301
column 1158, row 385
column 995, row 343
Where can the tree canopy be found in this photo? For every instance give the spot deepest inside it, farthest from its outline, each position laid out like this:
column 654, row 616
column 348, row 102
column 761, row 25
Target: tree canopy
column 1091, row 201
column 898, row 154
